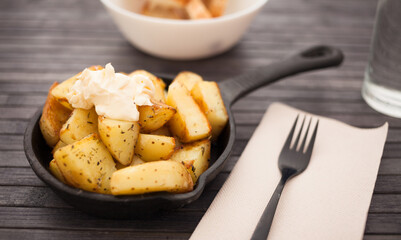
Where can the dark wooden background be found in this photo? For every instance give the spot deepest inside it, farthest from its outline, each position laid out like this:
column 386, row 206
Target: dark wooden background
column 45, row 41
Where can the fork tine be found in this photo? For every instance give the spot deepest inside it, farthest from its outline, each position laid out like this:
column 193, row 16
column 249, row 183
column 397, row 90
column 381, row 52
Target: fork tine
column 287, row 143
column 299, row 135
column 312, row 141
column 301, row 149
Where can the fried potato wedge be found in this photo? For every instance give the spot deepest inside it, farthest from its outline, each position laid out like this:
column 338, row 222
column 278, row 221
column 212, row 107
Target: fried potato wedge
column 59, row 144
column 155, row 116
column 86, row 164
column 54, row 115
column 169, row 176
column 216, row 7
column 119, row 165
column 164, row 12
column 163, row 131
column 160, row 86
column 81, row 123
column 195, row 157
column 154, row 147
column 60, row 92
column 189, row 124
column 168, row 3
column 188, row 79
column 136, row 161
column 119, row 137
column 196, row 9
column 56, row 171
column 207, row 96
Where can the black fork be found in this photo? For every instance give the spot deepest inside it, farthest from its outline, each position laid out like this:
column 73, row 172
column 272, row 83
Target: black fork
column 292, row 161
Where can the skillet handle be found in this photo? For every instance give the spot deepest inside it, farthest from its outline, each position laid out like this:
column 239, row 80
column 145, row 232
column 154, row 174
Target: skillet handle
column 309, row 59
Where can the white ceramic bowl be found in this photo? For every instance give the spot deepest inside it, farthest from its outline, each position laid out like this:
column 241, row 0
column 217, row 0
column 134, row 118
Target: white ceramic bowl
column 183, row 39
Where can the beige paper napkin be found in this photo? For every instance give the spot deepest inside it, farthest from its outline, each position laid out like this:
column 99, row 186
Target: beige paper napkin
column 329, row 200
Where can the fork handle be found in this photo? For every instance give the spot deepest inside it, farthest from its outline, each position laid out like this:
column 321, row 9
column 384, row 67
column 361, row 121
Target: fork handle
column 263, row 228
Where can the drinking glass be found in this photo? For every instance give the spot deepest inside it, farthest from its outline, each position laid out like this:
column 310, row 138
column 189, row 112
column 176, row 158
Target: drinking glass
column 382, row 84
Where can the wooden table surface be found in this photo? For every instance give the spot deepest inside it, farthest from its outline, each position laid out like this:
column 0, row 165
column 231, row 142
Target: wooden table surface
column 46, row 41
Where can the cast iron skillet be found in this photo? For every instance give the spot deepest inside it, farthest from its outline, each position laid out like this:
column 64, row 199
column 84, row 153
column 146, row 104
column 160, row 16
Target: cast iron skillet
column 108, row 206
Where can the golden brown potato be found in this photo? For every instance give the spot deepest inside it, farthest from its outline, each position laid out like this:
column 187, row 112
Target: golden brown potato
column 136, row 161
column 216, row 7
column 164, row 12
column 119, row 137
column 81, row 123
column 59, row 144
column 195, row 157
column 60, row 92
column 160, row 86
column 119, row 165
column 169, row 3
column 169, row 176
column 207, row 96
column 188, row 79
column 196, row 9
column 189, row 124
column 86, row 164
column 56, row 171
column 154, row 147
column 53, row 117
column 163, row 131
column 155, row 116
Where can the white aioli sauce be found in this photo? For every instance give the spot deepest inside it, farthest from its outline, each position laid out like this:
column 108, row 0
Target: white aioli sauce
column 114, row 95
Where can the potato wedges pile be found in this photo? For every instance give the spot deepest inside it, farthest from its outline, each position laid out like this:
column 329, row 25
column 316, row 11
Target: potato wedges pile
column 167, row 149
column 184, row 9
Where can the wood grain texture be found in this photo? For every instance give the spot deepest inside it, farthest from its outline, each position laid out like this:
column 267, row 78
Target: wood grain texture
column 45, row 41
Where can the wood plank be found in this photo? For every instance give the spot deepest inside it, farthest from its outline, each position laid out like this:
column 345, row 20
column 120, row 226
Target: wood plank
column 44, row 197
column 13, row 159
column 22, row 196
column 28, row 196
column 392, row 150
column 71, row 219
column 24, row 88
column 388, row 184
column 11, row 176
column 23, row 113
column 45, row 234
column 13, row 127
column 11, row 142
column 383, row 224
column 385, row 203
column 390, row 166
column 381, row 237
column 31, row 99
column 172, row 222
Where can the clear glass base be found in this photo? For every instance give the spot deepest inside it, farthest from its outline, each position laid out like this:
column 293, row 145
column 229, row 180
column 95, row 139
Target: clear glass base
column 383, row 100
